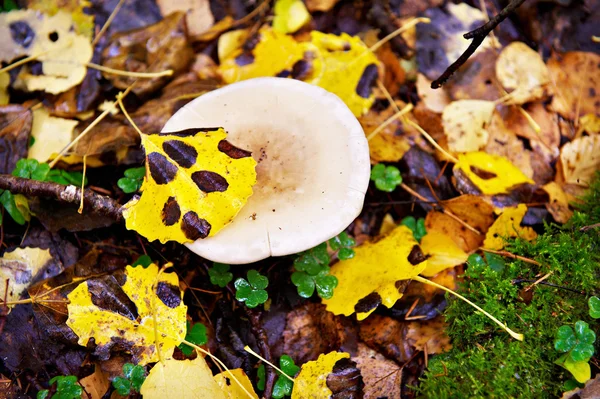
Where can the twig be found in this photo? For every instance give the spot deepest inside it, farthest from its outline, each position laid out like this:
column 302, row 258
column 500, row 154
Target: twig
column 539, row 280
column 511, row 255
column 591, row 226
column 104, row 28
column 67, row 194
column 524, row 280
column 478, row 35
column 263, row 346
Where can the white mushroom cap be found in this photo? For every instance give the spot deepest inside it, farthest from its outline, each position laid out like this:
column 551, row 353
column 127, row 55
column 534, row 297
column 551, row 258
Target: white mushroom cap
column 313, row 165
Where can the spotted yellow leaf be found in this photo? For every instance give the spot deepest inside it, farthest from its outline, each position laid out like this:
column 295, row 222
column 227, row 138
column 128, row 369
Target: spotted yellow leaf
column 311, row 382
column 508, row 225
column 231, row 388
column 500, row 175
column 443, row 253
column 373, row 273
column 464, row 124
column 195, row 184
column 82, row 22
column 190, row 379
column 160, row 320
column 341, row 64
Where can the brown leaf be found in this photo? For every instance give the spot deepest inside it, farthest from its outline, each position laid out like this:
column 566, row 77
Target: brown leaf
column 95, row 384
column 591, row 390
column 477, row 80
column 320, row 5
column 199, row 17
column 382, row 377
column 345, row 380
column 110, row 135
column 430, row 334
column 387, row 336
column 580, row 159
column 558, row 205
column 576, row 79
column 155, row 48
column 15, row 127
column 434, row 99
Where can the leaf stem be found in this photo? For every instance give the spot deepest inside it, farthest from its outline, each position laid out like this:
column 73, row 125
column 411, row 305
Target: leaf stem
column 118, row 72
column 249, row 350
column 513, row 334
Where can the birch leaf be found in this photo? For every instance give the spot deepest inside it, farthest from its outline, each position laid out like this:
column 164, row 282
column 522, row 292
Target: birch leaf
column 465, row 122
column 231, row 388
column 508, row 225
column 580, row 159
column 311, row 382
column 443, row 253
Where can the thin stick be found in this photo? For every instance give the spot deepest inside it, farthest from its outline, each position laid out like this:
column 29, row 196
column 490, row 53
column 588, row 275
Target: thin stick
column 511, row 255
column 431, row 140
column 112, row 16
column 118, row 72
column 389, row 120
column 539, row 280
column 248, row 349
column 591, row 226
column 398, row 31
column 21, row 62
column 513, row 334
column 478, row 35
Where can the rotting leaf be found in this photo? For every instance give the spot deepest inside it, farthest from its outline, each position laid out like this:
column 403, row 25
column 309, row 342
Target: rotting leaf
column 465, row 123
column 311, row 382
column 369, row 272
column 199, row 17
column 192, row 189
column 15, row 126
column 159, row 310
column 508, row 225
column 82, row 22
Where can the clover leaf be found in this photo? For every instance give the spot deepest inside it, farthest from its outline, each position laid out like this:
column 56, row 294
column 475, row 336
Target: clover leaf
column 322, row 281
column 219, row 274
column 579, row 343
column 386, row 178
column 143, row 261
column 417, row 226
column 594, row 304
column 196, row 335
column 132, row 180
column 343, row 244
column 312, row 260
column 492, row 261
column 260, row 373
column 312, row 269
column 66, row 178
column 133, row 378
column 283, row 385
column 66, row 388
column 252, row 292
column 31, row 169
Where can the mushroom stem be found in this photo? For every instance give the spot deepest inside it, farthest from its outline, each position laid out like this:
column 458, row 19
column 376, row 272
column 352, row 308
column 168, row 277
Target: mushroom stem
column 513, row 334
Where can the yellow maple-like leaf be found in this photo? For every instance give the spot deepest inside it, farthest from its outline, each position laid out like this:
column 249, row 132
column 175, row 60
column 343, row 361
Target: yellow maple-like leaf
column 375, row 269
column 508, row 225
column 290, row 15
column 195, row 184
column 311, row 382
column 502, row 174
column 187, row 379
column 341, row 64
column 157, row 322
column 443, row 253
column 231, row 388
column 464, row 123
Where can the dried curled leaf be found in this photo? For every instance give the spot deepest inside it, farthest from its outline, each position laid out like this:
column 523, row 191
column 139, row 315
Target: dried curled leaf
column 159, row 322
column 522, row 71
column 443, row 253
column 465, row 122
column 311, row 382
column 369, row 279
column 492, row 174
column 508, row 225
column 195, row 184
column 580, row 159
column 181, row 379
column 20, row 267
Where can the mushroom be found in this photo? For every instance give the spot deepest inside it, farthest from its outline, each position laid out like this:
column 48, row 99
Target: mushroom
column 312, row 172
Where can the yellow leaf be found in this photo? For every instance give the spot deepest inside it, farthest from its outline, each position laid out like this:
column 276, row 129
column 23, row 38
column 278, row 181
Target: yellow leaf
column 230, row 41
column 375, row 268
column 464, row 123
column 500, row 173
column 522, row 70
column 157, row 322
column 311, row 382
column 290, row 15
column 558, row 205
column 580, row 370
column 51, row 135
column 20, row 267
column 82, row 22
column 508, row 225
column 187, row 379
column 443, row 253
column 232, row 389
column 4, row 83
column 580, row 159
column 587, row 123
column 195, row 184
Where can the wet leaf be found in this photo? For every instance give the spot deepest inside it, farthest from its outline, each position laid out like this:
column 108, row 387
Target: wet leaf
column 508, row 225
column 581, row 371
column 311, row 382
column 382, row 377
column 196, row 335
column 192, row 189
column 96, row 384
column 199, row 17
column 594, row 304
column 160, row 309
column 465, row 123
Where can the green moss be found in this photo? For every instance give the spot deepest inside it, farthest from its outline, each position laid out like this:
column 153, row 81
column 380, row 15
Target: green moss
column 487, row 362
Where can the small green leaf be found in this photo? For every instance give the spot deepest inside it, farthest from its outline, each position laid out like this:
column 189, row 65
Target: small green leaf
column 286, row 363
column 580, row 370
column 136, row 173
column 495, row 262
column 417, row 227
column 569, row 385
column 242, row 289
column 122, row 385
column 257, row 280
column 304, row 283
column 132, row 182
column 196, row 335
column 594, row 304
column 283, row 387
column 386, row 178
column 137, row 377
column 257, row 297
column 128, row 369
column 143, row 261
column 343, row 244
column 31, row 169
column 346, row 253
column 219, row 274
column 325, row 285
column 66, row 387
column 565, row 339
column 43, row 394
column 7, row 199
column 260, row 373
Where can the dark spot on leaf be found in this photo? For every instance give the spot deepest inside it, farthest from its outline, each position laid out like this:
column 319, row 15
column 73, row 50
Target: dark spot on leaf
column 209, row 182
column 301, row 69
column 195, row 227
column 592, row 92
column 168, row 294
column 161, row 170
column 251, row 42
column 284, row 74
column 53, row 36
column 227, row 381
column 232, row 151
column 21, row 33
column 106, row 293
column 401, row 285
column 182, row 153
column 171, row 212
column 345, row 380
column 368, row 78
column 368, row 303
column 189, row 132
column 416, row 256
column 483, row 174
column 244, row 59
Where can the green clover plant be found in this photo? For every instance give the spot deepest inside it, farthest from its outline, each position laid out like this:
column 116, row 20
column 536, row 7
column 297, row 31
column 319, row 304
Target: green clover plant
column 220, row 275
column 133, row 378
column 594, row 304
column 66, row 388
column 416, row 225
column 386, row 178
column 132, row 180
column 252, row 291
column 343, row 244
column 196, row 335
column 283, row 385
column 488, row 260
column 312, row 271
column 143, row 261
column 578, row 348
